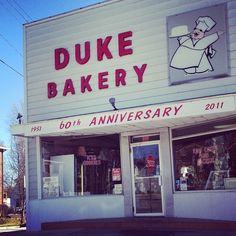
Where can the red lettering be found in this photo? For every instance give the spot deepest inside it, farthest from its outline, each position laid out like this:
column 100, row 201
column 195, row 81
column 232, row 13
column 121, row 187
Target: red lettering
column 130, row 116
column 123, row 43
column 140, row 72
column 138, row 115
column 102, row 79
column 52, row 90
column 102, row 48
column 69, row 87
column 102, row 120
column 85, row 84
column 78, row 56
column 117, row 115
column 148, row 114
column 122, row 116
column 62, row 58
column 120, row 75
column 93, row 121
column 177, row 109
column 157, row 113
column 110, row 118
column 166, row 111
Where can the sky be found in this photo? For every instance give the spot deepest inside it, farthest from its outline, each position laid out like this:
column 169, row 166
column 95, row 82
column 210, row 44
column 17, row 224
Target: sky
column 14, row 14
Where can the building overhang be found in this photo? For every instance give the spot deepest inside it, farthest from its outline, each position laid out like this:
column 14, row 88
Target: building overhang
column 3, row 149
column 188, row 112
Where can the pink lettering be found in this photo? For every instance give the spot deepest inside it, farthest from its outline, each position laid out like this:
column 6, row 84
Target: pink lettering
column 120, row 75
column 61, row 57
column 102, row 80
column 110, row 118
column 93, row 121
column 69, row 87
column 78, row 53
column 124, row 42
column 167, row 111
column 102, row 48
column 140, row 72
column 177, row 109
column 130, row 116
column 148, row 114
column 52, row 90
column 138, row 115
column 157, row 113
column 122, row 116
column 102, row 120
column 85, row 83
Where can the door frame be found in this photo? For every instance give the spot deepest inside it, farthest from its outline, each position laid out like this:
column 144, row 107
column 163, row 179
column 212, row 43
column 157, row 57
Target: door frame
column 145, row 143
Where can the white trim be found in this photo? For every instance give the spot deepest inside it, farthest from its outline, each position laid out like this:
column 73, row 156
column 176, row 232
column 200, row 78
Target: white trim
column 202, row 133
column 39, row 167
column 126, row 117
column 143, row 132
column 157, row 142
column 25, row 113
column 27, row 199
column 4, row 148
column 173, row 166
column 172, row 161
column 73, row 12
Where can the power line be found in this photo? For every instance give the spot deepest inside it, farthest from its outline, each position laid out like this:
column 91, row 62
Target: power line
column 13, row 15
column 11, row 45
column 3, row 62
column 22, row 10
column 17, row 11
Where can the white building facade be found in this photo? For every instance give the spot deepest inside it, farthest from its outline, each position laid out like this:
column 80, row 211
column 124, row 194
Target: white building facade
column 130, row 111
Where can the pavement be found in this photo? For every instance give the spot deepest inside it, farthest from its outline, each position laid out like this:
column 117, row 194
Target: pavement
column 144, row 226
column 116, row 232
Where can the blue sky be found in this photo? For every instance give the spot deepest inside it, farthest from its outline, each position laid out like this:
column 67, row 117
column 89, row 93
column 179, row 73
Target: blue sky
column 15, row 13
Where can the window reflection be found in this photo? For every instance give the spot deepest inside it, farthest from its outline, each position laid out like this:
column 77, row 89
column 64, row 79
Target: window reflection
column 206, row 163
column 80, row 167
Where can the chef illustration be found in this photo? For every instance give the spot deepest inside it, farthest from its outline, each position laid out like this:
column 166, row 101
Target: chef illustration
column 195, row 49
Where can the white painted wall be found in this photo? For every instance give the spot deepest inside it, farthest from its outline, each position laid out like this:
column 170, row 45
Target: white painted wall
column 147, row 20
column 73, row 208
column 218, row 205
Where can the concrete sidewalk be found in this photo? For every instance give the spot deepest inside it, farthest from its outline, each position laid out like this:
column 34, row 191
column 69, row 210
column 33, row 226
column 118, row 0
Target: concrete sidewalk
column 145, row 223
column 117, row 232
column 143, row 226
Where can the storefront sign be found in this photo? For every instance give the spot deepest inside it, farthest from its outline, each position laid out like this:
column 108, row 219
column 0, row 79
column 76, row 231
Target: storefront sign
column 197, row 43
column 91, row 161
column 116, row 174
column 82, row 55
column 131, row 116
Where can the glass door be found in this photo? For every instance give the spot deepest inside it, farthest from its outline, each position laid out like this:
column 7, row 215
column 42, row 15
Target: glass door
column 147, row 181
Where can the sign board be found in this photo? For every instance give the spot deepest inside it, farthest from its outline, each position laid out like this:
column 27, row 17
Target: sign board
column 197, row 44
column 116, row 174
column 190, row 108
column 50, row 187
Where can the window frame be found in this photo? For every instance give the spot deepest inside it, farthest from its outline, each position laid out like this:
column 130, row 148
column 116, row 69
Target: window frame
column 173, row 159
column 40, row 161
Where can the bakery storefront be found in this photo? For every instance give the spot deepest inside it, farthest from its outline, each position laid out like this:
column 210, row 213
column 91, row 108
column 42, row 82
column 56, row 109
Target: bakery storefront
column 119, row 124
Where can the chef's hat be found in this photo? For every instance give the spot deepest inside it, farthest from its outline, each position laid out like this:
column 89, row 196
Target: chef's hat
column 205, row 23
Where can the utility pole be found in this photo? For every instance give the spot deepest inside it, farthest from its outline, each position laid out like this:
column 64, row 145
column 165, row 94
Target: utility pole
column 2, row 149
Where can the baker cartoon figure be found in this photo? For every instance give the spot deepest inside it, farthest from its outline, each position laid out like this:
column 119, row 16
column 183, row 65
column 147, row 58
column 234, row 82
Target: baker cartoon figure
column 195, row 48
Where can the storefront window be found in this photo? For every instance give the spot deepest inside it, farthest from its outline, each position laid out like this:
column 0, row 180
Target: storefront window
column 80, row 167
column 206, row 162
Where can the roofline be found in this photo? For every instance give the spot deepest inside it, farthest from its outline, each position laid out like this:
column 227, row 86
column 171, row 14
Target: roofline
column 71, row 12
column 3, row 148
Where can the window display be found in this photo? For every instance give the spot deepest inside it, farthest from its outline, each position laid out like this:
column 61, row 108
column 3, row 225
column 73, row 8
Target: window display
column 80, row 167
column 206, row 162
